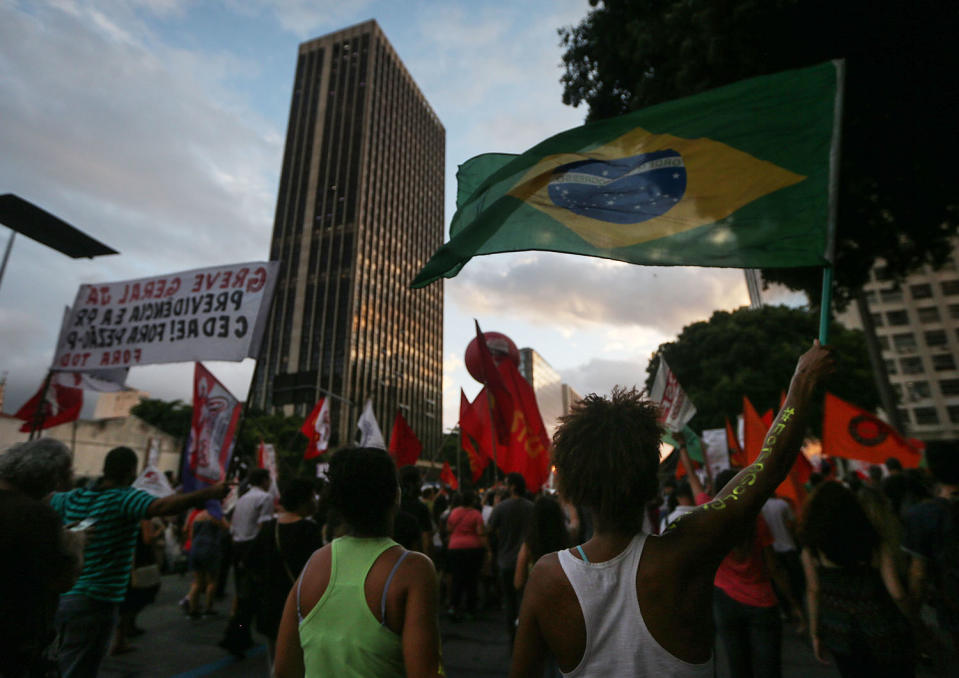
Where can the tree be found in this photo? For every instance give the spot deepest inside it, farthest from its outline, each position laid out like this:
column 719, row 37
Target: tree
column 897, row 197
column 753, row 353
column 170, row 416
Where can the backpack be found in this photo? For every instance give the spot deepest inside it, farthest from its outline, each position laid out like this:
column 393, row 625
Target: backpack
column 947, row 559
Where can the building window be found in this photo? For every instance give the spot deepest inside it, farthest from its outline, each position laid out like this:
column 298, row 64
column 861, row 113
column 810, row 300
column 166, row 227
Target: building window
column 884, row 342
column 897, row 318
column 930, row 314
column 904, row 417
column 871, row 297
column 891, row 367
column 926, row 415
column 904, row 343
column 891, row 295
column 897, row 389
column 950, row 287
column 912, row 365
column 953, row 413
column 943, row 362
column 877, row 319
column 949, row 387
column 935, row 338
column 921, row 291
column 918, row 390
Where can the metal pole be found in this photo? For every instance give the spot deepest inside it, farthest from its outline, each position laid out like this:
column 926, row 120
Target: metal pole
column 6, row 255
column 41, row 414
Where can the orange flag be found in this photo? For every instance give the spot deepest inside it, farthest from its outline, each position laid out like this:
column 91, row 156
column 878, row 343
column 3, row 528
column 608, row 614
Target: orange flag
column 854, row 433
column 754, row 431
column 448, row 477
column 405, row 447
column 736, row 455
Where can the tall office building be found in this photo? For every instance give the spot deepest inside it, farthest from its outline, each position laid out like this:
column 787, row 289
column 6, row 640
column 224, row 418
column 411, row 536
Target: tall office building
column 359, row 212
column 917, row 324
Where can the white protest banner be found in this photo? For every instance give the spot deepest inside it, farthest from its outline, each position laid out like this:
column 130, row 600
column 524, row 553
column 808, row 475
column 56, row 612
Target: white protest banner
column 154, row 481
column 676, row 408
column 716, row 449
column 370, row 434
column 216, row 313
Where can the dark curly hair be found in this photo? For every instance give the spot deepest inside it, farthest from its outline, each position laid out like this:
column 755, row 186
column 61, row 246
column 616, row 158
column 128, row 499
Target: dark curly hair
column 834, row 524
column 607, row 454
column 363, row 489
column 295, row 493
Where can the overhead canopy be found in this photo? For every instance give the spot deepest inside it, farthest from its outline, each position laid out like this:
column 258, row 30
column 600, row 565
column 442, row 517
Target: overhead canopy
column 38, row 224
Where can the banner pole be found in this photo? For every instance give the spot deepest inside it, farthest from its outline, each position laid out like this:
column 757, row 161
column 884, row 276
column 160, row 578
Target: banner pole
column 825, row 305
column 834, row 165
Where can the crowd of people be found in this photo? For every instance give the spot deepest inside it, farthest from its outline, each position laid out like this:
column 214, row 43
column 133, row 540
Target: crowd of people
column 618, row 572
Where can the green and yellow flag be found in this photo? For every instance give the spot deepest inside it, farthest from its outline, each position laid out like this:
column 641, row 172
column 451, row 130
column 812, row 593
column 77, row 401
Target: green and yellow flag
column 738, row 176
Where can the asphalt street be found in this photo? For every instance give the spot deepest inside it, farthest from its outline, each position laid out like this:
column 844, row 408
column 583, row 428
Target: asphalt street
column 179, row 647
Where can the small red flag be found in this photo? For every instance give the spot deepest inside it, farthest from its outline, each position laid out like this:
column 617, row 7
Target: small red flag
column 62, row 405
column 447, row 476
column 317, row 428
column 851, row 432
column 405, row 447
column 472, row 430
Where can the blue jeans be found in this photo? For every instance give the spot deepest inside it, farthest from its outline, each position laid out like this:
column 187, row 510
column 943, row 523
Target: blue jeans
column 84, row 629
column 751, row 636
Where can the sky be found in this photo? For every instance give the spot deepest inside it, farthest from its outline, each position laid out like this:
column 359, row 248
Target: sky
column 157, row 127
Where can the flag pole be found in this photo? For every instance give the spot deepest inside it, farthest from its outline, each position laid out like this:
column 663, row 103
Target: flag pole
column 40, row 416
column 834, row 158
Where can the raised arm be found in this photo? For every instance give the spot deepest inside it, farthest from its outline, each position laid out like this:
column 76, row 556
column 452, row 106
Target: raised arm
column 706, row 536
column 694, row 484
column 176, row 503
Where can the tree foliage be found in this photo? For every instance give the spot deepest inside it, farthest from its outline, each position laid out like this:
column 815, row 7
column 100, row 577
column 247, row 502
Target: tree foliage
column 170, row 416
column 898, row 197
column 753, row 353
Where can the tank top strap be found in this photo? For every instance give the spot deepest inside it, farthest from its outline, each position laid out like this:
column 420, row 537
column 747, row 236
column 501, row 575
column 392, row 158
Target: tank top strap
column 386, row 587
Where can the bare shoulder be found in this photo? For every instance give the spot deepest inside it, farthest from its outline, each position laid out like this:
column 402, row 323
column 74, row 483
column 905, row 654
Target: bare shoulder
column 547, row 577
column 419, row 565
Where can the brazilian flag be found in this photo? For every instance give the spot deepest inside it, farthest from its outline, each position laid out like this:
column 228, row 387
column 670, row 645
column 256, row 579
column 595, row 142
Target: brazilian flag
column 738, row 176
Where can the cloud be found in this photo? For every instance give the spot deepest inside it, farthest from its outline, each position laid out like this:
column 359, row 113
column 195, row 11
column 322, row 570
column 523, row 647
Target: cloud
column 599, row 375
column 577, row 292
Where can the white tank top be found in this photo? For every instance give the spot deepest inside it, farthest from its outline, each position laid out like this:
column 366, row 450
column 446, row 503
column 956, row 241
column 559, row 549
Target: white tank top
column 617, row 640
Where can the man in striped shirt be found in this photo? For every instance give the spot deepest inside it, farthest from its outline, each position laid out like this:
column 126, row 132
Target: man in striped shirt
column 87, row 613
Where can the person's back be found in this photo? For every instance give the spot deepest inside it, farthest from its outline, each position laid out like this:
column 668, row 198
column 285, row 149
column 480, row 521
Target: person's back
column 342, row 630
column 607, row 455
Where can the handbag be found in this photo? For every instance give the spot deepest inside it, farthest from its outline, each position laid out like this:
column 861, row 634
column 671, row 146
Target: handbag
column 145, row 577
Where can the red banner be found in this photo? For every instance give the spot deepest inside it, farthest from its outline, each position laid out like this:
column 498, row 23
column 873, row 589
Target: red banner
column 216, row 414
column 317, row 429
column 405, row 447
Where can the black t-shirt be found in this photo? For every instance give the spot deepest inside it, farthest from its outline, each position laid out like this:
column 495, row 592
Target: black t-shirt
column 508, row 521
column 406, row 531
column 418, row 510
column 34, row 564
column 275, row 570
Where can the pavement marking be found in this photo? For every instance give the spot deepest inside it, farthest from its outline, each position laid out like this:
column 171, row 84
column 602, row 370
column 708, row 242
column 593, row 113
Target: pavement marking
column 207, row 669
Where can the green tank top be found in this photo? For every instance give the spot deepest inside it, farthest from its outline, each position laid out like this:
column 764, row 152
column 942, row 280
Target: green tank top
column 340, row 636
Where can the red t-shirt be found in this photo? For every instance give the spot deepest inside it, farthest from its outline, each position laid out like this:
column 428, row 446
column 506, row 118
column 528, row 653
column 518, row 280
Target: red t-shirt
column 464, row 524
column 747, row 581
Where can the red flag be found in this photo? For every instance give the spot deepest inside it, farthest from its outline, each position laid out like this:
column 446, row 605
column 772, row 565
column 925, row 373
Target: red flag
column 794, row 486
column 405, row 447
column 528, row 451
column 61, row 403
column 767, row 419
column 736, row 455
column 854, row 433
column 473, row 429
column 754, row 431
column 216, row 413
column 448, row 477
column 317, row 428
column 502, row 401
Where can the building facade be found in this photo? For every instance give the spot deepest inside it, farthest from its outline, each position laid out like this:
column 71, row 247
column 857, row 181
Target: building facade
column 917, row 324
column 359, row 211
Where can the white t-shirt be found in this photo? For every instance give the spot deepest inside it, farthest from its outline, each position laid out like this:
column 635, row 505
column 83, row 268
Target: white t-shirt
column 253, row 508
column 778, row 514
